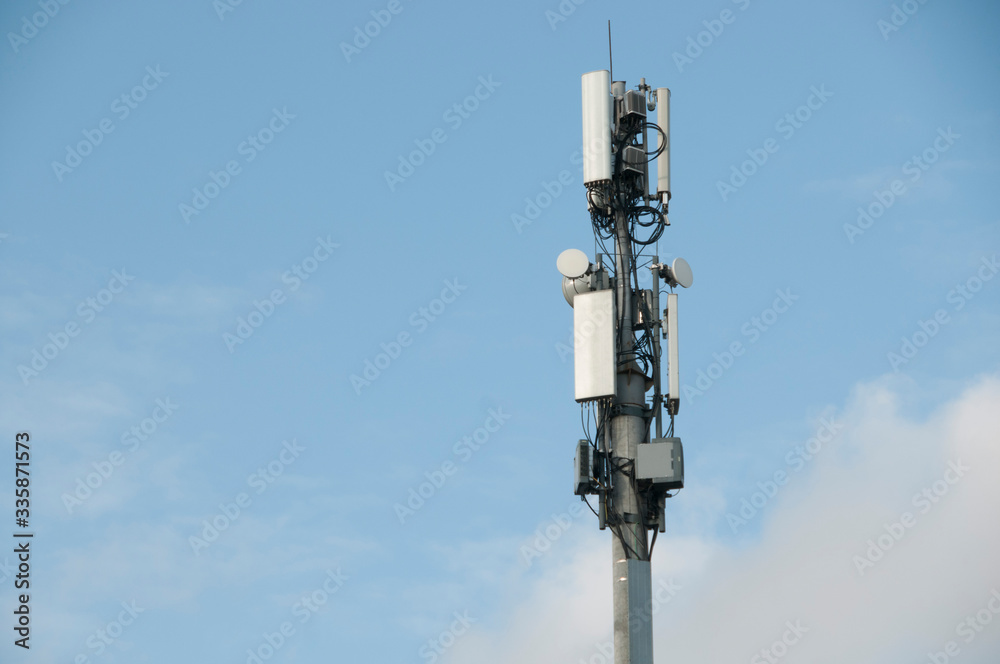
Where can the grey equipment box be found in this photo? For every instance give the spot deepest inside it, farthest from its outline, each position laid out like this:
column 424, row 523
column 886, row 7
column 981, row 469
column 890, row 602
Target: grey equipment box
column 662, row 462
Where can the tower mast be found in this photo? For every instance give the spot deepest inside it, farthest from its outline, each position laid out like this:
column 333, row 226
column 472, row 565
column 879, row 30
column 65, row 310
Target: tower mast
column 617, row 330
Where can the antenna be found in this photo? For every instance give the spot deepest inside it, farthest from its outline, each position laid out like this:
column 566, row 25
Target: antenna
column 628, row 464
column 573, row 263
column 611, row 62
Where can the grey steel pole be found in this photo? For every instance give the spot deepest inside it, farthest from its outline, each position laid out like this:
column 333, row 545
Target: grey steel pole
column 632, row 590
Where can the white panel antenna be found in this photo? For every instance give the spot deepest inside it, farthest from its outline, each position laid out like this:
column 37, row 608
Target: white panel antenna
column 673, row 372
column 663, row 161
column 594, row 354
column 597, row 108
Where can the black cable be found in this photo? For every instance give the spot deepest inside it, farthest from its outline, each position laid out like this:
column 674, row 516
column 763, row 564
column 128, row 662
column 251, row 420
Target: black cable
column 663, row 145
column 628, row 549
column 591, row 507
column 618, row 519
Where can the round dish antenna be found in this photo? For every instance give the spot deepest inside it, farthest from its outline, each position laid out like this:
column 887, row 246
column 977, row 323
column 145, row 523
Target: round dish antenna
column 680, row 273
column 573, row 263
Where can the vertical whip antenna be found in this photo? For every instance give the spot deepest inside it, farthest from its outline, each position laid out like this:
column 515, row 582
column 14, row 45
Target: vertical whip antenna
column 611, row 63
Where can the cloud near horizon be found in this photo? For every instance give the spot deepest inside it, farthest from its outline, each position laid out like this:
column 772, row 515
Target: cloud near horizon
column 812, row 564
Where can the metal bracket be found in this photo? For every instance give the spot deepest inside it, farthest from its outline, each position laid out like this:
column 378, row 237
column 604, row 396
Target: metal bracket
column 629, row 409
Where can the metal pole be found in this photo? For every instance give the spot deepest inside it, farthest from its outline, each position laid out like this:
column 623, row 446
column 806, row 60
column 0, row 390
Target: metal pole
column 632, row 590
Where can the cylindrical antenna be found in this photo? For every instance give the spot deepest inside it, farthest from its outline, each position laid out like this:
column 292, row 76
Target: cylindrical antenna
column 597, row 105
column 663, row 161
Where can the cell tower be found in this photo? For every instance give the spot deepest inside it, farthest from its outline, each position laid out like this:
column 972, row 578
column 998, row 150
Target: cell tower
column 617, row 328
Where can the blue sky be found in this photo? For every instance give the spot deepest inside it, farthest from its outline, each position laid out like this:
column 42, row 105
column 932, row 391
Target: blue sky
column 287, row 123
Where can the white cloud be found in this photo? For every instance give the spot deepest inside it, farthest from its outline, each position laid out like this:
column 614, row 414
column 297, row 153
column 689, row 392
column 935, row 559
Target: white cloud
column 735, row 598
